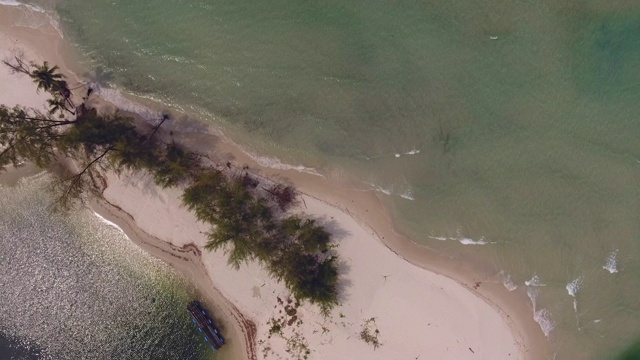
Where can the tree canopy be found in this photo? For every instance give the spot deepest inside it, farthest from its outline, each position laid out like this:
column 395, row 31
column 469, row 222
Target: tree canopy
column 244, row 221
column 48, row 79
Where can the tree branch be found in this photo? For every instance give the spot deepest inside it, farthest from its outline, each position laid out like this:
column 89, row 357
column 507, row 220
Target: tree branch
column 104, row 153
column 13, row 144
column 155, row 128
column 75, row 179
column 44, row 119
column 19, row 67
column 52, row 125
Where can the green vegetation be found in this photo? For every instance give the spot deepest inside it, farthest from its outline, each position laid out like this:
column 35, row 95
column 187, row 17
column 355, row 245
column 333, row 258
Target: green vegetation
column 276, row 327
column 283, row 195
column 285, row 326
column 47, row 79
column 294, row 250
column 248, row 222
column 370, row 333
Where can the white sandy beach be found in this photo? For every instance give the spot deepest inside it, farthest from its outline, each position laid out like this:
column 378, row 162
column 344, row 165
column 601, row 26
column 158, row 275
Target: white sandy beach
column 420, row 313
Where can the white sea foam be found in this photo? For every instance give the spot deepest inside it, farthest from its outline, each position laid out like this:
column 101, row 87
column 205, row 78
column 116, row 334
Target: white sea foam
column 463, row 240
column 380, row 189
column 108, row 222
column 469, row 241
column 35, row 21
column 507, row 281
column 10, row 3
column 535, row 281
column 275, row 163
column 533, row 296
column 407, row 195
column 18, row 3
column 612, row 262
column 35, row 8
column 178, row 59
column 410, row 152
column 574, row 285
column 115, row 97
column 383, row 190
column 541, row 316
column 397, row 155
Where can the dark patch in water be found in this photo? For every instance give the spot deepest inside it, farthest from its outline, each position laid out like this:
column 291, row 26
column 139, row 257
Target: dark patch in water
column 609, row 55
column 16, row 350
column 633, row 353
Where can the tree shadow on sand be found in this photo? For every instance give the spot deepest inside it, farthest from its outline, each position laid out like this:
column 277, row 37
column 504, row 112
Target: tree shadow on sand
column 338, row 234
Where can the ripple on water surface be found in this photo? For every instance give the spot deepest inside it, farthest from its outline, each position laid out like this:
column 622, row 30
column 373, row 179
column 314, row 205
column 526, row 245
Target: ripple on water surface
column 74, row 287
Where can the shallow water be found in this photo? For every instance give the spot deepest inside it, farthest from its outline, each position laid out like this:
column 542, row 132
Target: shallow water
column 74, row 287
column 504, row 131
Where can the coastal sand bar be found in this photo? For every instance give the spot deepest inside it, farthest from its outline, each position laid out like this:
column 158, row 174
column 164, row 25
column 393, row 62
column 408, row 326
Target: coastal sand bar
column 415, row 313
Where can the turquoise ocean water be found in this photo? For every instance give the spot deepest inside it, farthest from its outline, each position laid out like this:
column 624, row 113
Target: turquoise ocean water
column 500, row 131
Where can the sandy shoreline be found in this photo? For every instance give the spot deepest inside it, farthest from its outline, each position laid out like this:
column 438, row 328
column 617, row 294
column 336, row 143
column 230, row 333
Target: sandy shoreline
column 484, row 321
column 187, row 260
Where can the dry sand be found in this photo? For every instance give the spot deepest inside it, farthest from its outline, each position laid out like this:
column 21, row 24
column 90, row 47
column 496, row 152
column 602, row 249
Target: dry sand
column 418, row 313
column 421, row 312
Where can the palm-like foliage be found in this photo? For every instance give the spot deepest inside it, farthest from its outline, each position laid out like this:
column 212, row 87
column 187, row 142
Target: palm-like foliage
column 59, row 106
column 47, row 78
column 50, row 80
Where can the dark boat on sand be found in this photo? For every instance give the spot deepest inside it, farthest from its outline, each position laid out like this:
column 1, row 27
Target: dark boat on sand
column 206, row 325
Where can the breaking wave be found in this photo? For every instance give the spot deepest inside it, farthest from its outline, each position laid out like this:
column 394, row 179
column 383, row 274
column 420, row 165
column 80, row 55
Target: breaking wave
column 275, row 163
column 535, row 281
column 612, row 262
column 507, row 281
column 463, row 240
column 541, row 316
column 35, row 17
column 407, row 194
column 10, row 3
column 115, row 97
column 573, row 286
